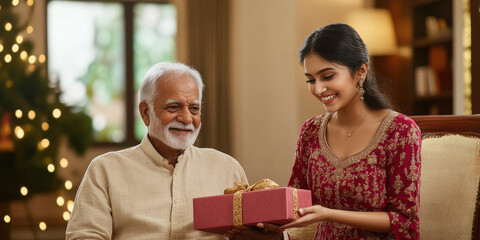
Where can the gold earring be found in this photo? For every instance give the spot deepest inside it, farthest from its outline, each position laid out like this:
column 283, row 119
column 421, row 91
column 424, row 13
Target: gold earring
column 361, row 91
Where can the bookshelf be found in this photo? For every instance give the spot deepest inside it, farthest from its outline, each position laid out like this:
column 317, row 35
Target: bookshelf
column 432, row 57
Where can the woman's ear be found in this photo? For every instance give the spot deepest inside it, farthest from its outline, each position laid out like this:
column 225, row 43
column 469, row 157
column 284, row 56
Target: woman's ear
column 362, row 71
column 144, row 112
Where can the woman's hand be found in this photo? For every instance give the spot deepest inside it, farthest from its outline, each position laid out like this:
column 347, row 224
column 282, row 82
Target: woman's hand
column 308, row 215
column 370, row 221
column 265, row 231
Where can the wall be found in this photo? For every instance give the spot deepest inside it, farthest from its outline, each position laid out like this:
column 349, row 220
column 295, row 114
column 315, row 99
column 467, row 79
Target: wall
column 263, row 100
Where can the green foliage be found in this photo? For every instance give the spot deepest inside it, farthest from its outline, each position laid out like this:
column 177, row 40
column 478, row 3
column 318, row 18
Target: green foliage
column 25, row 87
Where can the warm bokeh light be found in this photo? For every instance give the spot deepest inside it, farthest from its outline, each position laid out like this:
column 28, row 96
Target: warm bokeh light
column 63, row 162
column 15, row 2
column 18, row 113
column 32, row 59
column 43, row 144
column 6, row 218
column 19, row 39
column 1, row 47
column 51, row 168
column 29, row 29
column 31, row 68
column 24, row 191
column 19, row 132
column 30, row 2
column 9, row 83
column 60, row 201
column 70, row 205
column 45, row 126
column 15, row 47
column 41, row 58
column 42, row 226
column 8, row 26
column 68, row 184
column 66, row 216
column 31, row 114
column 23, row 55
column 56, row 113
column 8, row 58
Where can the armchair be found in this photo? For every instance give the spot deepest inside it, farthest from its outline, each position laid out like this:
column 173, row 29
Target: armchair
column 450, row 177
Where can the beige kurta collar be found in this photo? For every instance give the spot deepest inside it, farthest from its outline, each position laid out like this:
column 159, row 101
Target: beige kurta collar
column 148, row 148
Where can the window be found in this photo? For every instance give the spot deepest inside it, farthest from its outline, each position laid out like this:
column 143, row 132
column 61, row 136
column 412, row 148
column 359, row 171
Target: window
column 98, row 53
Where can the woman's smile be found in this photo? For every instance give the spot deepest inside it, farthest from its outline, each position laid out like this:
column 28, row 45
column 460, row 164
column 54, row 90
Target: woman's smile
column 328, row 98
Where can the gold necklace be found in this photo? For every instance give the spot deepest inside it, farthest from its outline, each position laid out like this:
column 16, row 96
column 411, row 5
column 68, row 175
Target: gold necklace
column 349, row 134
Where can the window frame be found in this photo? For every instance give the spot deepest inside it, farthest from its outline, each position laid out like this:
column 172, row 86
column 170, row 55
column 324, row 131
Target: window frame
column 128, row 8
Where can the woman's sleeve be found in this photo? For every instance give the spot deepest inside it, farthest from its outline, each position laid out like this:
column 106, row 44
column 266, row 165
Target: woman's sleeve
column 298, row 179
column 403, row 186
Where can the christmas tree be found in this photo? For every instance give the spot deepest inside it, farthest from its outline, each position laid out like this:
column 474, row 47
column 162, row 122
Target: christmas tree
column 33, row 121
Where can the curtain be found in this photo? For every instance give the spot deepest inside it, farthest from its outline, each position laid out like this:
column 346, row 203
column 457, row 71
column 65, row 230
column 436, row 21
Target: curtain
column 208, row 52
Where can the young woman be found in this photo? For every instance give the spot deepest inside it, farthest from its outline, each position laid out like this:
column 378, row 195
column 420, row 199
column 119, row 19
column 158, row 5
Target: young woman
column 361, row 160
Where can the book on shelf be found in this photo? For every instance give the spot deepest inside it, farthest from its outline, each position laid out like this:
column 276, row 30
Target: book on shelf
column 438, row 59
column 425, row 83
column 437, row 27
column 436, row 77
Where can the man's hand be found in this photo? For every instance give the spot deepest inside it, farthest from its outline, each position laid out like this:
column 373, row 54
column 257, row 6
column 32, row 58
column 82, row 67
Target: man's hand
column 264, row 231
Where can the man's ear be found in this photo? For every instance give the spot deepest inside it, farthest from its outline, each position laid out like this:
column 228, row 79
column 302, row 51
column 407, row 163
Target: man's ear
column 144, row 112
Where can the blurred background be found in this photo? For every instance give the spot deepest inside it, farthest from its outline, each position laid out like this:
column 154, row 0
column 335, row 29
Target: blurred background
column 69, row 72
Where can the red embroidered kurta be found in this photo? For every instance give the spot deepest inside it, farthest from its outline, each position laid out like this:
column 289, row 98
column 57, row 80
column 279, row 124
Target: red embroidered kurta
column 383, row 177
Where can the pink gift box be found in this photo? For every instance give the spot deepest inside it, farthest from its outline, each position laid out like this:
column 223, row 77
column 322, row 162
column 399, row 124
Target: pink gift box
column 215, row 213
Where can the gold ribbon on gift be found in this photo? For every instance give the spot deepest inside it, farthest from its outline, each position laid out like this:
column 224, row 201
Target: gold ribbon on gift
column 239, row 188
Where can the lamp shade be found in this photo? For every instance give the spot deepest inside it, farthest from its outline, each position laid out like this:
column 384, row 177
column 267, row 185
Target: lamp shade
column 375, row 27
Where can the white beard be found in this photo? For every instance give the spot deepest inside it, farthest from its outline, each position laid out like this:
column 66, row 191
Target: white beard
column 171, row 140
column 179, row 142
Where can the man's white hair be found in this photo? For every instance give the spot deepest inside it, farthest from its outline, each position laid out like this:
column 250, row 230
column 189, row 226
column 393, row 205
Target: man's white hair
column 166, row 71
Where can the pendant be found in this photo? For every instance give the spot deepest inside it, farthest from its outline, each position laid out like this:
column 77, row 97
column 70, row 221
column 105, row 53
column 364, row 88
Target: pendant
column 349, row 134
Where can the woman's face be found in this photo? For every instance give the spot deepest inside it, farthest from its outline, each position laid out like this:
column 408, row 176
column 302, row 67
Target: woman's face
column 329, row 82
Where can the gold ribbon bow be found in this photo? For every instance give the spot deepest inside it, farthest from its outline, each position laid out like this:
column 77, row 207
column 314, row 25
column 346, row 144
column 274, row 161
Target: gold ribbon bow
column 237, row 191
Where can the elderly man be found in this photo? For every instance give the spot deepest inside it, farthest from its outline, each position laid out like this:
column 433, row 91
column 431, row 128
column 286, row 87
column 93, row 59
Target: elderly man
column 146, row 191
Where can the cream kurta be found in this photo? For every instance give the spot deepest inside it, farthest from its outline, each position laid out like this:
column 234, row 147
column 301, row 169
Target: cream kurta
column 135, row 194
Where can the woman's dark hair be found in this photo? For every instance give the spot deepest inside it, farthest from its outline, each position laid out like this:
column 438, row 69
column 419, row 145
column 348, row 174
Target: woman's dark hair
column 340, row 43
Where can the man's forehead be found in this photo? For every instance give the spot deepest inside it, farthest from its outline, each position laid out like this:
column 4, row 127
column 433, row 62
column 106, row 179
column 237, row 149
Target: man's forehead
column 181, row 89
column 176, row 101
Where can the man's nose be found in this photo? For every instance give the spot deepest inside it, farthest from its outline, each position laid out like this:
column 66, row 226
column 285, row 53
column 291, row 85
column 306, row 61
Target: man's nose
column 185, row 116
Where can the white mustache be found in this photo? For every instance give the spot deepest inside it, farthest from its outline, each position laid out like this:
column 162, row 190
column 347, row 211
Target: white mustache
column 181, row 126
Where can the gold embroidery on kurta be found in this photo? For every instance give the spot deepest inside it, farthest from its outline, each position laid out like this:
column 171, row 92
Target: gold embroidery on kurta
column 380, row 136
column 398, row 184
column 372, row 159
column 361, row 186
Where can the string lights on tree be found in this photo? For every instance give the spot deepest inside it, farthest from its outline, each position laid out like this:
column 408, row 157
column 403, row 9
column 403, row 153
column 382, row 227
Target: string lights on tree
column 33, row 121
